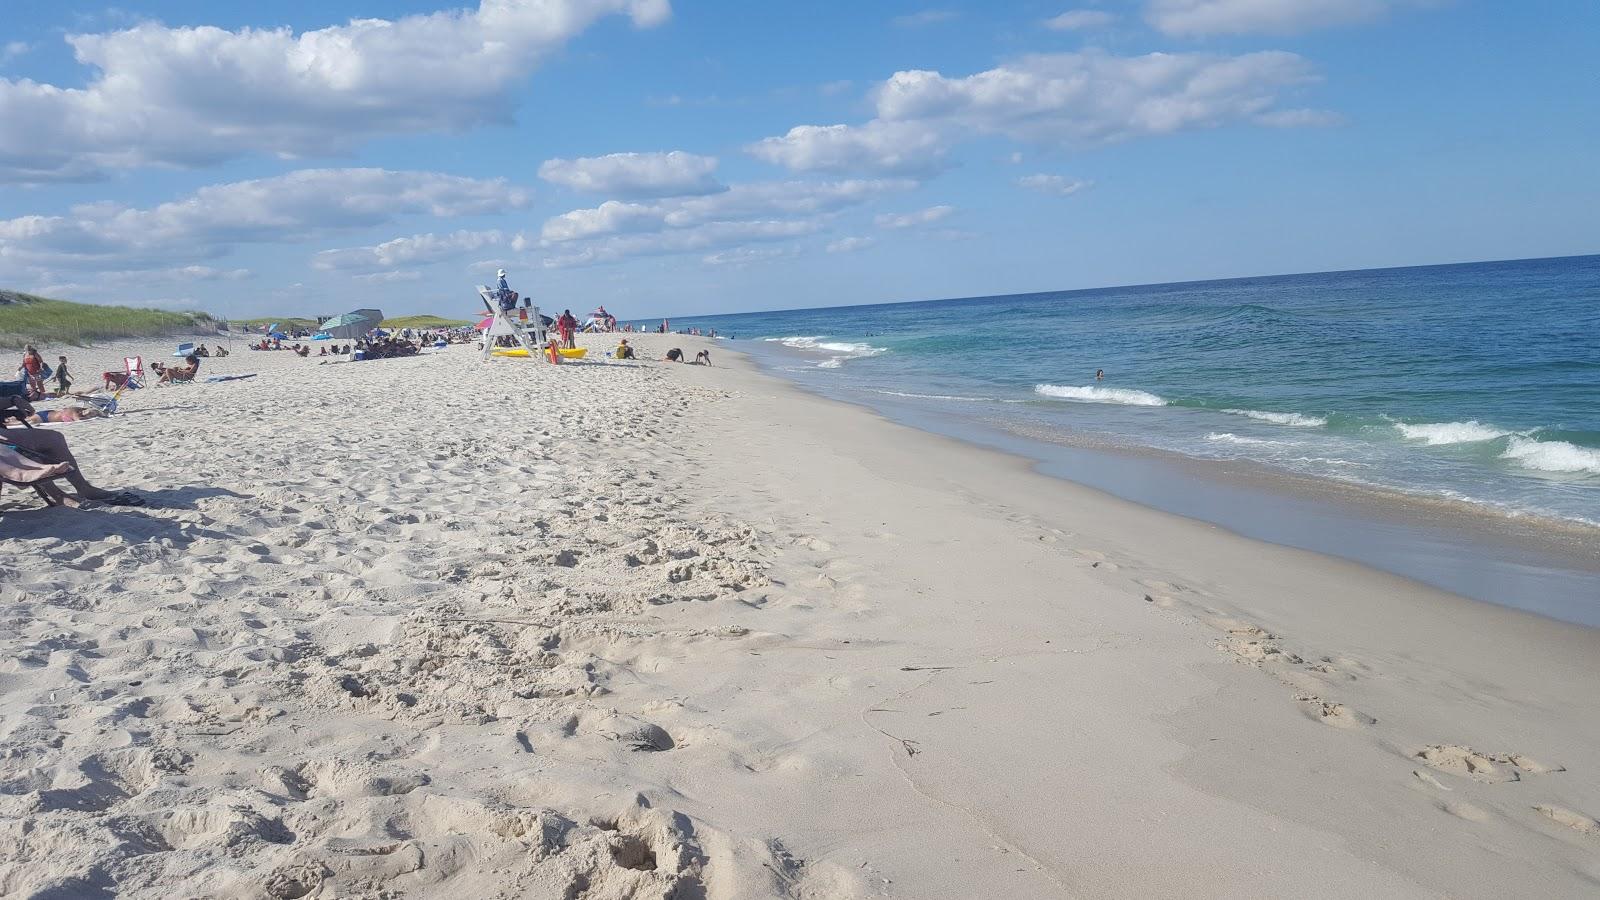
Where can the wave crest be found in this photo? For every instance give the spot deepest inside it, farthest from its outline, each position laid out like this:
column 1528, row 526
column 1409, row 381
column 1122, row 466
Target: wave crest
column 1436, row 434
column 1552, row 456
column 1292, row 419
column 1091, row 394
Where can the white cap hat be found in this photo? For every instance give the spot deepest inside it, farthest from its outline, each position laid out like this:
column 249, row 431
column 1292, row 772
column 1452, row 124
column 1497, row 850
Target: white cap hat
column 501, row 273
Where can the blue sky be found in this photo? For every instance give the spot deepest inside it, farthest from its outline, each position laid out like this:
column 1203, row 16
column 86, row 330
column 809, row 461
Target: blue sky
column 302, row 158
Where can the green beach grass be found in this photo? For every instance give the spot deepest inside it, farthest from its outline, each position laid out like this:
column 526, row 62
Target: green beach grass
column 25, row 318
column 423, row 322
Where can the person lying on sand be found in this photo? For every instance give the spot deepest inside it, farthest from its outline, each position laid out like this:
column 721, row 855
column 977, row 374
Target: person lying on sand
column 50, row 447
column 675, row 355
column 66, row 414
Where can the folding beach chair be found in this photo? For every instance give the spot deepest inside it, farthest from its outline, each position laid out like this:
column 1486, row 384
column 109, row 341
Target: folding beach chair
column 131, row 376
column 21, row 471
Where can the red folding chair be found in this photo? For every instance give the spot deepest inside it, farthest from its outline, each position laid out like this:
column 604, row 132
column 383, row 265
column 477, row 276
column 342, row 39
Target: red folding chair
column 131, row 376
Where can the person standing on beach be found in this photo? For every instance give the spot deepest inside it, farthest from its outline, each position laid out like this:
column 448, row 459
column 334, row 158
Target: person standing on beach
column 33, row 372
column 63, row 380
column 569, row 329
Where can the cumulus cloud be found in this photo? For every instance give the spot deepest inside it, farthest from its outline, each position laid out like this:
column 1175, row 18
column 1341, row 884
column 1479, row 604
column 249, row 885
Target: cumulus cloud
column 1095, row 97
column 885, row 148
column 850, row 244
column 1055, row 99
column 636, row 174
column 1079, row 20
column 198, row 95
column 718, row 225
column 1203, row 18
column 1058, row 185
column 416, row 250
column 699, row 238
column 755, row 200
column 299, row 206
column 913, row 219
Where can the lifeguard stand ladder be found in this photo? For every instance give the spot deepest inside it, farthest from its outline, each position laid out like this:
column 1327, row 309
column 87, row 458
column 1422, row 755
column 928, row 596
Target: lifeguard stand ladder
column 531, row 334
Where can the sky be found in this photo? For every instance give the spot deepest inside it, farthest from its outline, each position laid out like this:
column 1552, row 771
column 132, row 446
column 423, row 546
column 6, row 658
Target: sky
column 679, row 158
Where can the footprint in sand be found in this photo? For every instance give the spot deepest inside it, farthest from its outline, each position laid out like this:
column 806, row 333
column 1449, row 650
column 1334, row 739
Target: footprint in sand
column 1577, row 821
column 1336, row 714
column 1489, row 768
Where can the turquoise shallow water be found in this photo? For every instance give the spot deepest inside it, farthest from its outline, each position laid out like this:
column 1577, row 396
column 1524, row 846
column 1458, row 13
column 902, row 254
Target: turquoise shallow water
column 1476, row 382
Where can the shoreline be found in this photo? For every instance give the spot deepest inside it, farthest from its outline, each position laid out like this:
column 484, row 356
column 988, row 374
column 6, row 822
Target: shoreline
column 647, row 628
column 1432, row 539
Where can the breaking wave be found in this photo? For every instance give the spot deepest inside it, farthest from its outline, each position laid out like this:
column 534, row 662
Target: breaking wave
column 1442, row 433
column 1552, row 456
column 1293, row 419
column 1091, row 394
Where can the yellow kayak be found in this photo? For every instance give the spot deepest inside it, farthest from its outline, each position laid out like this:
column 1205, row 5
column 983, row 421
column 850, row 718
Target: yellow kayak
column 522, row 352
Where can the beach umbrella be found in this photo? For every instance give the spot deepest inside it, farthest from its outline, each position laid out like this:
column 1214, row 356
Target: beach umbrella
column 344, row 320
column 487, row 321
column 279, row 335
column 322, row 336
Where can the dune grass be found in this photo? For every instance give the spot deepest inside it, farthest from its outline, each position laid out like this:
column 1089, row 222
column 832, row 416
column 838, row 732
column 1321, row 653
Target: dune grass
column 423, row 322
column 295, row 322
column 25, row 318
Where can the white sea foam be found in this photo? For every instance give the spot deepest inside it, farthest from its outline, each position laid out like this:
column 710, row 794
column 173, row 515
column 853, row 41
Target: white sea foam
column 840, row 350
column 1230, row 438
column 1293, row 419
column 1091, row 394
column 1552, row 456
column 1441, row 433
column 943, row 397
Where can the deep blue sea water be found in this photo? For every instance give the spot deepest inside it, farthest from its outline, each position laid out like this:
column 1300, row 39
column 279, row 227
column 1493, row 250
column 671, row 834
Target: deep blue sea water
column 1477, row 382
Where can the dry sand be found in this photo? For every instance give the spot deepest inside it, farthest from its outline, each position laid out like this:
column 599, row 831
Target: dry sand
column 440, row 628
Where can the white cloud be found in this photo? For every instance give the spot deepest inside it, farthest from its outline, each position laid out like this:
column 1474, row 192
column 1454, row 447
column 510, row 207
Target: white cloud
column 1079, row 20
column 1094, row 97
column 914, row 219
column 887, row 148
column 390, row 277
column 1059, row 185
column 699, row 238
column 756, row 200
column 1201, row 18
column 636, row 174
column 850, row 244
column 924, row 18
column 299, row 206
column 1053, row 99
column 13, row 50
column 740, row 256
column 416, row 250
column 198, row 95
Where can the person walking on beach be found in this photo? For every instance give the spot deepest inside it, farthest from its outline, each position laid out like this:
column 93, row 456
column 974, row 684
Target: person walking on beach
column 63, row 380
column 33, row 372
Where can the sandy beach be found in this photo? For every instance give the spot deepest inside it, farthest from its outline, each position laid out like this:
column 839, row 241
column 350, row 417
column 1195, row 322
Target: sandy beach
column 434, row 627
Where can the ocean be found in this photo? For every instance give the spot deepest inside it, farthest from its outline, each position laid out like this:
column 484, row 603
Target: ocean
column 1476, row 383
column 1440, row 422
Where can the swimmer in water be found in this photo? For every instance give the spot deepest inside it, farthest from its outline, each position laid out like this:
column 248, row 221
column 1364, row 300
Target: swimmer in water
column 1099, row 374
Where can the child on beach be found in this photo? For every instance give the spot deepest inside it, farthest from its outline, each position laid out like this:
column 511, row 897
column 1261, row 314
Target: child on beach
column 63, row 380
